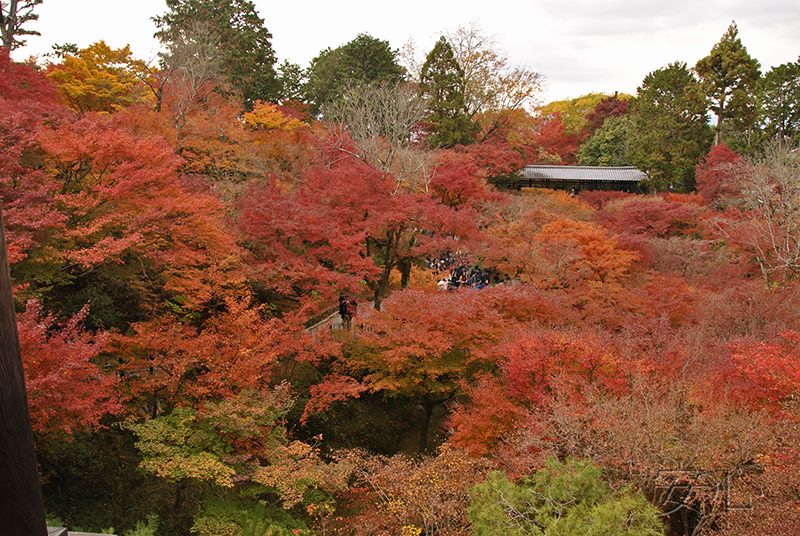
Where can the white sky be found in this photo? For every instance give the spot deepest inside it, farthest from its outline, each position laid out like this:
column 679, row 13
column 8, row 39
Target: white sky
column 580, row 46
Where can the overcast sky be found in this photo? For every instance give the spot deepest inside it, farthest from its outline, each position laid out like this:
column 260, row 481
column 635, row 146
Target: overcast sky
column 580, row 46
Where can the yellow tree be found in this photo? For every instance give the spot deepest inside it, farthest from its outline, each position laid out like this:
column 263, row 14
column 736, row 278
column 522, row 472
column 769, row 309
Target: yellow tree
column 276, row 143
column 573, row 112
column 100, row 79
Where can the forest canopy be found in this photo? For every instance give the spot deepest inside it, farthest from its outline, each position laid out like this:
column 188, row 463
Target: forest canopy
column 267, row 299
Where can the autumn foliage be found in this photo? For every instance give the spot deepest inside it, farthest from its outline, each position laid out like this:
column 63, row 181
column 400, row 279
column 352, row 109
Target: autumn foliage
column 67, row 391
column 715, row 172
column 178, row 260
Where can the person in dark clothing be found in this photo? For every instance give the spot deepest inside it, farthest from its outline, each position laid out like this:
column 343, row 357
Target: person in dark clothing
column 348, row 308
column 352, row 308
column 344, row 312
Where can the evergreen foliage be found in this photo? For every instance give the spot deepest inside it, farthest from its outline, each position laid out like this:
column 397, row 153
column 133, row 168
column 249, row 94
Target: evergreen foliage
column 562, row 499
column 146, row 528
column 248, row 60
column 669, row 128
column 608, row 146
column 292, row 79
column 729, row 78
column 780, row 106
column 442, row 83
column 364, row 60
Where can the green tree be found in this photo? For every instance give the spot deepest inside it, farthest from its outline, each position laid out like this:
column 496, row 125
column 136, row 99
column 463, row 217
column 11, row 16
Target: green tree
column 364, row 60
column 442, row 84
column 729, row 78
column 608, row 146
column 247, row 58
column 13, row 14
column 669, row 131
column 781, row 100
column 563, row 499
column 238, row 447
column 292, row 78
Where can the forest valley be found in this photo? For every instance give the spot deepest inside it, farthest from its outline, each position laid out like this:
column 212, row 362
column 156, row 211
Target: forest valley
column 171, row 239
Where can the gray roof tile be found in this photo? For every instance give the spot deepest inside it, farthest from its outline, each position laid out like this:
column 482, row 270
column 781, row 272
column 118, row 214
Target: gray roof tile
column 583, row 173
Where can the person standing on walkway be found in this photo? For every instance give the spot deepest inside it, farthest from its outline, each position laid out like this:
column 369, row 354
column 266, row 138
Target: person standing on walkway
column 352, row 310
column 344, row 311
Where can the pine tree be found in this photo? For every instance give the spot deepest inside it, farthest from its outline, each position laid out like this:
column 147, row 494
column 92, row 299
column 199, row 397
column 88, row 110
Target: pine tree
column 781, row 100
column 244, row 43
column 562, row 499
column 729, row 77
column 442, row 83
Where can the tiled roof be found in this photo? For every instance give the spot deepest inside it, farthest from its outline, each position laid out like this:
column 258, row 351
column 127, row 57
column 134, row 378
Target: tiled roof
column 583, row 173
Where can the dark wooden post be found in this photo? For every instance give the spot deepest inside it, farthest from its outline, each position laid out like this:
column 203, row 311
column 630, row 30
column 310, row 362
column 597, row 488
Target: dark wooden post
column 21, row 507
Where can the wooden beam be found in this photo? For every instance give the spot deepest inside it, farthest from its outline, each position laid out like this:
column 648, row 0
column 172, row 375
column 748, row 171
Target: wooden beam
column 21, row 507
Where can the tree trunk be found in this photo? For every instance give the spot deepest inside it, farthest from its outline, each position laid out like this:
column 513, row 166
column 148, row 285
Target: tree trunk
column 21, row 507
column 428, row 405
column 427, row 411
column 180, row 493
column 159, row 97
column 718, row 136
column 7, row 25
column 381, row 287
column 405, row 273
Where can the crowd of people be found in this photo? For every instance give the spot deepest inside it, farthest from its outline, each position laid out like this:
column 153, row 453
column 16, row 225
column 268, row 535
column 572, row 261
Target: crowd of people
column 466, row 277
column 458, row 272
